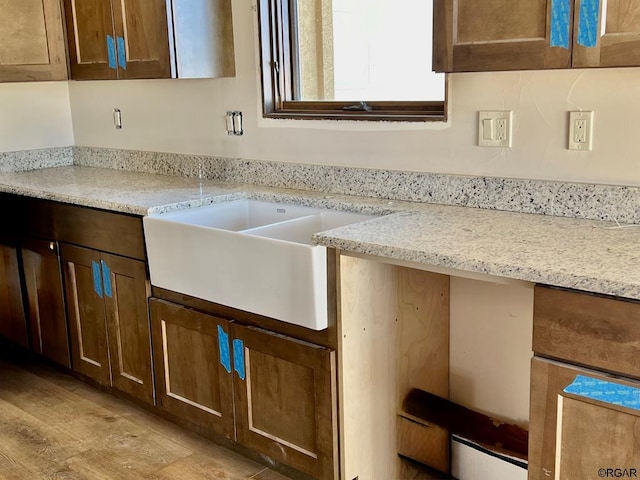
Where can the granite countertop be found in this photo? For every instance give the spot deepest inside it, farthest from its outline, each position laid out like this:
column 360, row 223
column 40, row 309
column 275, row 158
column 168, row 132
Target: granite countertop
column 586, row 255
column 116, row 190
column 583, row 254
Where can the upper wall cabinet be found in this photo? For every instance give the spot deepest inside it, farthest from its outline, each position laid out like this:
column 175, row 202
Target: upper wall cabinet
column 32, row 46
column 616, row 40
column 489, row 35
column 126, row 39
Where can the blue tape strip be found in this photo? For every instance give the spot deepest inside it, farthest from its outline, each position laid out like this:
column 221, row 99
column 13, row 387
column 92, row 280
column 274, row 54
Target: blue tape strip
column 560, row 25
column 106, row 279
column 604, row 391
column 238, row 357
column 122, row 53
column 97, row 281
column 223, row 346
column 111, row 52
column 588, row 23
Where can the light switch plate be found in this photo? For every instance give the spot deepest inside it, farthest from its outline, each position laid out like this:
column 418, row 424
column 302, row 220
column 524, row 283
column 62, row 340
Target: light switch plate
column 581, row 131
column 495, row 128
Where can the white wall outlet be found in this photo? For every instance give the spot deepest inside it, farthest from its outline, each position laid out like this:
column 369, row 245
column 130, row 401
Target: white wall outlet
column 581, row 131
column 495, row 129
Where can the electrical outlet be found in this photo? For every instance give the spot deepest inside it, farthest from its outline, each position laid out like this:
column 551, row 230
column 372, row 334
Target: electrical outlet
column 581, row 131
column 501, row 129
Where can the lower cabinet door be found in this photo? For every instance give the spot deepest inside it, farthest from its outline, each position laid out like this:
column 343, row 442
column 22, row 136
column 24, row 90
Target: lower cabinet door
column 47, row 319
column 285, row 400
column 193, row 366
column 85, row 312
column 125, row 292
column 584, row 424
column 13, row 322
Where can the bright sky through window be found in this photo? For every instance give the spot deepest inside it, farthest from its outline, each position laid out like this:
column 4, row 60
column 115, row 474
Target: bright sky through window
column 354, row 50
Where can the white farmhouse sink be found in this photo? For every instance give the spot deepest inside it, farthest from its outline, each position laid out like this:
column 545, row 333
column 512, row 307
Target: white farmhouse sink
column 251, row 255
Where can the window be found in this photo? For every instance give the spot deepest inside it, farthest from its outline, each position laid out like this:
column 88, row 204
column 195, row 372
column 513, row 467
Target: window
column 353, row 59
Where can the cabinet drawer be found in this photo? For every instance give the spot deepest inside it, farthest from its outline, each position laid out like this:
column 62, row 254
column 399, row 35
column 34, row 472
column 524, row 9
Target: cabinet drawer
column 587, row 329
column 112, row 232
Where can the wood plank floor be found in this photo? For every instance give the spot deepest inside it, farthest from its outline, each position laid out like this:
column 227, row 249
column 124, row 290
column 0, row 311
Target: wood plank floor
column 55, row 427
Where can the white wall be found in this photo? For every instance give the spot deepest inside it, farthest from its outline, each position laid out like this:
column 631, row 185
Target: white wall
column 188, row 116
column 34, row 115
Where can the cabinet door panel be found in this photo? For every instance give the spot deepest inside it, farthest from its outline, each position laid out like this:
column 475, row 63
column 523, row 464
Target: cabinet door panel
column 142, row 27
column 47, row 319
column 125, row 295
column 618, row 43
column 86, row 314
column 592, row 436
column 485, row 35
column 191, row 381
column 581, row 444
column 13, row 323
column 286, row 403
column 270, row 379
column 89, row 22
column 19, row 21
column 32, row 45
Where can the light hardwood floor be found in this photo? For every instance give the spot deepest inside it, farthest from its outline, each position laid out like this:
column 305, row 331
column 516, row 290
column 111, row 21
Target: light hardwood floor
column 55, row 427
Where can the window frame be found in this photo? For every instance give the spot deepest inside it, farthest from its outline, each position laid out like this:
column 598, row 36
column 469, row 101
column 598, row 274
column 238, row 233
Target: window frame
column 278, row 83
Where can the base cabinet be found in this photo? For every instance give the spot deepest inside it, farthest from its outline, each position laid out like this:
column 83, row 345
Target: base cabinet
column 584, row 423
column 45, row 300
column 13, row 323
column 273, row 394
column 108, row 319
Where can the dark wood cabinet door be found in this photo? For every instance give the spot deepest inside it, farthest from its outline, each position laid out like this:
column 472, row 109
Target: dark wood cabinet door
column 193, row 366
column 91, row 39
column 47, row 318
column 142, row 38
column 609, row 37
column 86, row 312
column 570, row 405
column 125, row 293
column 13, row 322
column 32, row 43
column 285, row 400
column 486, row 35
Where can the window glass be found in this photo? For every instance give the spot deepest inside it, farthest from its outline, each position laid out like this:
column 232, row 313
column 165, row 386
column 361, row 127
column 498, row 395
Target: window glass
column 372, row 50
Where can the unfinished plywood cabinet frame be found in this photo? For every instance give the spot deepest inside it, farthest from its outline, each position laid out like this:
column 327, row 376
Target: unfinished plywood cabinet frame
column 393, row 334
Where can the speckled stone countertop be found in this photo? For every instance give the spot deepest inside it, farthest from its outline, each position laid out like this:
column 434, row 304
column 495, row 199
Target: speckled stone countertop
column 119, row 191
column 586, row 255
column 583, row 254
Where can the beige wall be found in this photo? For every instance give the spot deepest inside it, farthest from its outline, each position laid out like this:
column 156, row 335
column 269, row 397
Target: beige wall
column 188, row 116
column 34, row 115
column 490, row 347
